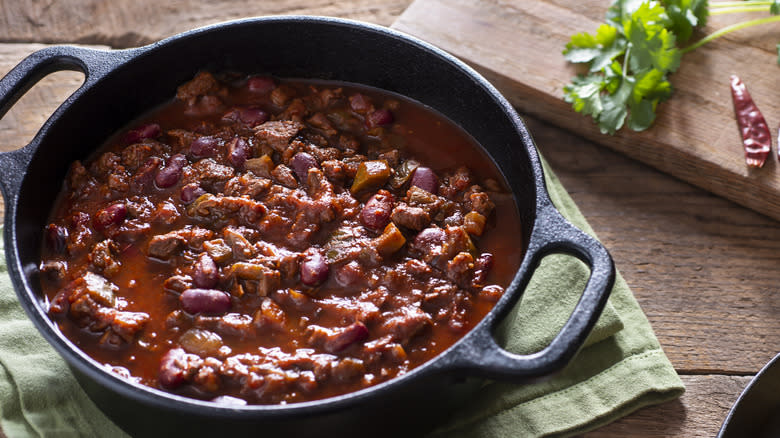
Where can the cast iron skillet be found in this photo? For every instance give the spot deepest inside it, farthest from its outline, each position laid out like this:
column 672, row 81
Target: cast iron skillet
column 120, row 85
column 755, row 413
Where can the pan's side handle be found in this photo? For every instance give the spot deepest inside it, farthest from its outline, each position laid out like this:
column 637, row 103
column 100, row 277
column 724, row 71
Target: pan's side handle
column 93, row 63
column 481, row 355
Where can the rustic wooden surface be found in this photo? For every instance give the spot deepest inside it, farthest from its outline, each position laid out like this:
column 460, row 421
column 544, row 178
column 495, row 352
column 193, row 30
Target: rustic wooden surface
column 518, row 45
column 703, row 268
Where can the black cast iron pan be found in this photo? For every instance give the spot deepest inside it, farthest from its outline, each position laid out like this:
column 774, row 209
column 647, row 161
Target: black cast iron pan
column 121, row 85
column 756, row 413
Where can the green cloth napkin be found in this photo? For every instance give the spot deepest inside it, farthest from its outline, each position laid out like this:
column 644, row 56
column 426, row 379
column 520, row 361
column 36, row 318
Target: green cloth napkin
column 621, row 369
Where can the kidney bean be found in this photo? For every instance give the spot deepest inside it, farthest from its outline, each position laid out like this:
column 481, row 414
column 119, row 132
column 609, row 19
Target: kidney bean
column 203, row 147
column 171, row 173
column 151, row 130
column 376, row 212
column 252, row 116
column 301, row 163
column 356, row 332
column 171, row 373
column 238, row 152
column 379, row 117
column 205, row 272
column 56, row 238
column 209, row 301
column 113, row 214
column 191, row 192
column 426, row 179
column 314, row 270
column 260, row 84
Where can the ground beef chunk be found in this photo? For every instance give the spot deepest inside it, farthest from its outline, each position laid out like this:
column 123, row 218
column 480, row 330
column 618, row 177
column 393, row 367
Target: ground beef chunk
column 103, row 259
column 165, row 245
column 414, row 218
column 203, row 84
column 284, row 176
column 320, row 120
column 105, row 164
column 208, row 171
column 232, row 324
column 277, row 134
column 270, row 316
column 481, row 203
column 78, row 176
column 405, row 323
column 178, row 283
column 54, row 269
column 127, row 324
column 180, row 139
column 247, row 185
column 177, row 367
column 220, row 210
column 136, row 154
column 460, row 268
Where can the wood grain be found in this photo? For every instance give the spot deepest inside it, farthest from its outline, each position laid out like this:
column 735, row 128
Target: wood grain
column 133, row 23
column 518, row 45
column 702, row 267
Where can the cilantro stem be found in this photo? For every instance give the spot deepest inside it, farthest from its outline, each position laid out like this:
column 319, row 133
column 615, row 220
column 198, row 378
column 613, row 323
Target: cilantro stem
column 714, row 5
column 625, row 60
column 729, row 29
column 751, row 8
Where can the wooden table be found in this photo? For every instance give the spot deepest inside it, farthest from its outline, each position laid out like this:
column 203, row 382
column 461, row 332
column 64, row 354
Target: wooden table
column 703, row 269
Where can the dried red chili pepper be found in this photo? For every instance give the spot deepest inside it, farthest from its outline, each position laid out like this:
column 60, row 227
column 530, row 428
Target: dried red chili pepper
column 756, row 137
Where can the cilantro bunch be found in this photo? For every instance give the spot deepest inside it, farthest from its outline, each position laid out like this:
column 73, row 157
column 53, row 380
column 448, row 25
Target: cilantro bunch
column 630, row 57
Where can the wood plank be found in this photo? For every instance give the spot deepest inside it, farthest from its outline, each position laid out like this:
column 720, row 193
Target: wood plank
column 698, row 413
column 138, row 22
column 518, row 45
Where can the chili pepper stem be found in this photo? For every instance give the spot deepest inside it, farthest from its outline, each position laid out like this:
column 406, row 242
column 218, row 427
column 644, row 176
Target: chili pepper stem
column 732, row 10
column 716, row 5
column 729, row 29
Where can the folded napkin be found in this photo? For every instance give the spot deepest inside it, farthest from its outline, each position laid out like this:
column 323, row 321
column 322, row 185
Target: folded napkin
column 622, row 368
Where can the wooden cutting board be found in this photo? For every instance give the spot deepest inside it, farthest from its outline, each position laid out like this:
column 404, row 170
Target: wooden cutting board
column 517, row 45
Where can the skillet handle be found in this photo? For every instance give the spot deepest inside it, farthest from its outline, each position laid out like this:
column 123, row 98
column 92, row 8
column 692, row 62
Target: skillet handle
column 480, row 353
column 93, row 63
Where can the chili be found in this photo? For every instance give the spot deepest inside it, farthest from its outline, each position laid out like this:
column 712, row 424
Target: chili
column 260, row 240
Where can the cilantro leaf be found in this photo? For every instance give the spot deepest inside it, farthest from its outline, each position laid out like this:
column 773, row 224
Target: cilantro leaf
column 584, row 93
column 615, row 111
column 585, row 47
column 642, row 114
column 686, row 15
